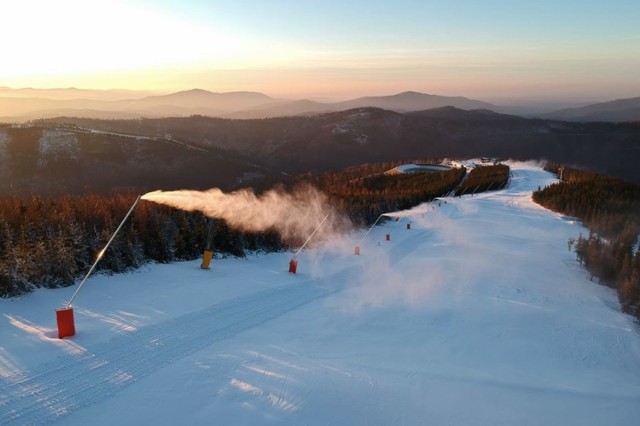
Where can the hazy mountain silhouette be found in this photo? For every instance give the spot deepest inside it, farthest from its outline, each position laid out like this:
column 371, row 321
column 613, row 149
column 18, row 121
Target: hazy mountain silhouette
column 402, row 102
column 449, row 113
column 26, row 104
column 283, row 109
column 613, row 111
column 198, row 99
column 73, row 93
column 413, row 101
column 27, row 108
column 184, row 103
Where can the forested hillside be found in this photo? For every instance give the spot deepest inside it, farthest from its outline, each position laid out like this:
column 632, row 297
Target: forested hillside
column 336, row 140
column 610, row 208
column 60, row 160
column 365, row 192
column 485, row 178
column 52, row 242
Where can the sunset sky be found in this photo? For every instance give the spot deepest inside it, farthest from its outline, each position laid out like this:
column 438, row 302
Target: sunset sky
column 490, row 49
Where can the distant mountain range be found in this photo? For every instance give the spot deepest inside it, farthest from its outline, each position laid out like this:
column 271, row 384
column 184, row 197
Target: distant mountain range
column 24, row 104
column 614, row 111
column 28, row 104
column 190, row 102
column 73, row 93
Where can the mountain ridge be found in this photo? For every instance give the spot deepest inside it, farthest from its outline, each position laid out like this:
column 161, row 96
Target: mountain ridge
column 27, row 103
column 237, row 104
column 314, row 143
column 627, row 109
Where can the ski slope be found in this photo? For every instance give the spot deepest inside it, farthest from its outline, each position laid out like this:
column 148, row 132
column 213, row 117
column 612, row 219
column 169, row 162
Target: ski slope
column 478, row 314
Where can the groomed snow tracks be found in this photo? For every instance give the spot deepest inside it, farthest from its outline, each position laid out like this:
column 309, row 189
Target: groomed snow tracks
column 50, row 391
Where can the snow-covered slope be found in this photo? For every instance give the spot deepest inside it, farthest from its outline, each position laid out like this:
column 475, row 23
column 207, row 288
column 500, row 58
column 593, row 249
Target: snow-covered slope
column 477, row 314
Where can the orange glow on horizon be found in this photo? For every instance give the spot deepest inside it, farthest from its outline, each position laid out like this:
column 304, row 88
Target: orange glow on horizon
column 135, row 45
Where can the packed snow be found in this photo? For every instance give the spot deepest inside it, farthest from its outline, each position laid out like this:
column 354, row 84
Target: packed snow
column 416, row 168
column 474, row 312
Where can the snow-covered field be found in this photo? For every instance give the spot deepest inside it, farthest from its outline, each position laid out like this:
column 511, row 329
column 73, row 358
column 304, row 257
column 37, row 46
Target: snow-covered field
column 477, row 315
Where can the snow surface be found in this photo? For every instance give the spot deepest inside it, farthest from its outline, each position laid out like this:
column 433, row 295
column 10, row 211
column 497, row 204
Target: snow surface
column 412, row 168
column 477, row 315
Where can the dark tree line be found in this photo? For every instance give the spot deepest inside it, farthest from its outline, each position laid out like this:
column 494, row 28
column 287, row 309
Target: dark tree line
column 365, row 192
column 610, row 208
column 52, row 242
column 485, row 178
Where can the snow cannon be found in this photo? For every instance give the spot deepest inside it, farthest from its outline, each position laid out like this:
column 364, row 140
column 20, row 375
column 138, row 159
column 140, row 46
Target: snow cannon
column 357, row 251
column 388, row 237
column 206, row 259
column 64, row 316
column 208, row 251
column 293, row 266
column 66, row 323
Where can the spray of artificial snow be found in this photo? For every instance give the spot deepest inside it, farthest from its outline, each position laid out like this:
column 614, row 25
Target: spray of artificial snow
column 295, row 215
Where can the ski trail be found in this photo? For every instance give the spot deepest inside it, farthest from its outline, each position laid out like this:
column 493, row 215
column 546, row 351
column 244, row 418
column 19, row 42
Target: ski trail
column 52, row 390
column 55, row 389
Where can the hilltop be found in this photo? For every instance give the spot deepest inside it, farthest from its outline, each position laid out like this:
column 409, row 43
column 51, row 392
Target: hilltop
column 335, row 140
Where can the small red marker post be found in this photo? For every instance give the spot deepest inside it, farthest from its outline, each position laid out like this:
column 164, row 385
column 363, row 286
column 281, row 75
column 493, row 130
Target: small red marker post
column 293, row 266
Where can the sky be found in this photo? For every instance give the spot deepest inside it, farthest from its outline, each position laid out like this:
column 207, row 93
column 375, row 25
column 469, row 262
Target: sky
column 490, row 49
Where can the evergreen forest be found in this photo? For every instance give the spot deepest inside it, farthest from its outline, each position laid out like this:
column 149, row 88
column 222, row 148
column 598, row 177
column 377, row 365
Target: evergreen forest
column 610, row 208
column 365, row 192
column 484, row 178
column 52, row 242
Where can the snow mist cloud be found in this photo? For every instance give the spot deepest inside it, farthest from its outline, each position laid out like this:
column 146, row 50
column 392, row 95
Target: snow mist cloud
column 295, row 215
